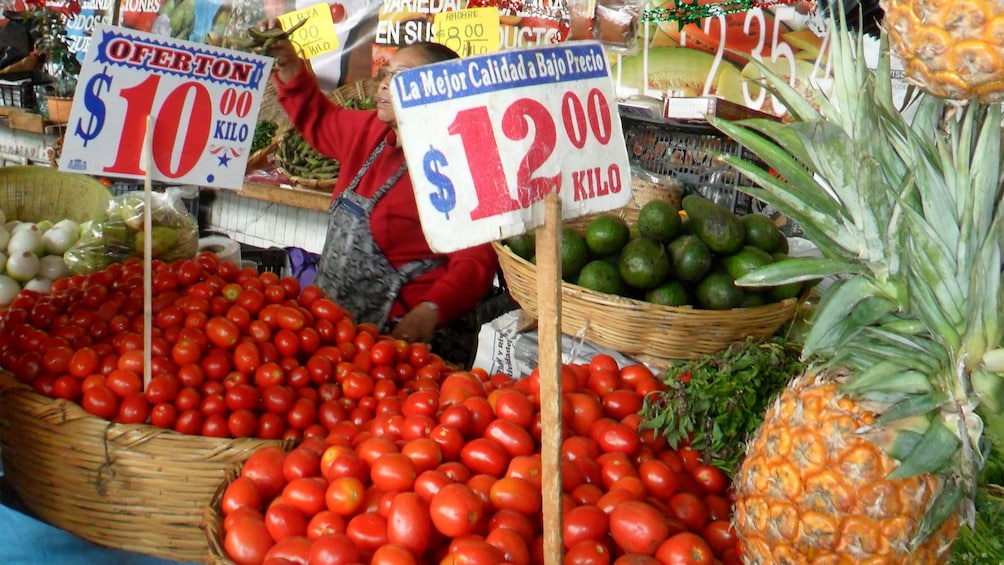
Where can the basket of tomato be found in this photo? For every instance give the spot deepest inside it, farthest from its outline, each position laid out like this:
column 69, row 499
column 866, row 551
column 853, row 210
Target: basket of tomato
column 240, row 360
column 449, row 471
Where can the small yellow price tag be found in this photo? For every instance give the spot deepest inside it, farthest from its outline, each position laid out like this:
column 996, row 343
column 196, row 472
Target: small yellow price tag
column 474, row 31
column 317, row 35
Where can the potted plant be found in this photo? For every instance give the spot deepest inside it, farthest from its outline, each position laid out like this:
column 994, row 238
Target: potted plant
column 46, row 21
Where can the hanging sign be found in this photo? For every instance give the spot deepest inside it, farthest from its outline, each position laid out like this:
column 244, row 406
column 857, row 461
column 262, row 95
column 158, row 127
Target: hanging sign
column 487, row 137
column 317, row 35
column 473, row 31
column 204, row 103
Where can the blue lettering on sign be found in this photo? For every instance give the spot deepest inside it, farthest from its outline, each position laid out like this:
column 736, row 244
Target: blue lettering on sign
column 459, row 78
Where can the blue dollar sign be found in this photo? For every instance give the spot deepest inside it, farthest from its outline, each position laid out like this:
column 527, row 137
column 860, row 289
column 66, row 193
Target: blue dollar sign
column 94, row 105
column 445, row 198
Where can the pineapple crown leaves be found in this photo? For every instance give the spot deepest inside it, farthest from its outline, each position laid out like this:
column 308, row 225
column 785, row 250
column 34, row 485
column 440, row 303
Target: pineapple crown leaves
column 906, row 213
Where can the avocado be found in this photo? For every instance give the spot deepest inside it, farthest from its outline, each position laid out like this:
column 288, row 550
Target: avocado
column 716, row 225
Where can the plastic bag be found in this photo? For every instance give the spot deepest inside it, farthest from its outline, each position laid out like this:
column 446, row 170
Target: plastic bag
column 118, row 235
column 616, row 25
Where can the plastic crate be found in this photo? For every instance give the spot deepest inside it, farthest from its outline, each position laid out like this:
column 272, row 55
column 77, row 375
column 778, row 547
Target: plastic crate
column 271, row 260
column 18, row 89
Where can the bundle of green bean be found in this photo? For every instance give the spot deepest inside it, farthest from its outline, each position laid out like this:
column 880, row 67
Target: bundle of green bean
column 261, row 41
column 297, row 158
column 264, row 131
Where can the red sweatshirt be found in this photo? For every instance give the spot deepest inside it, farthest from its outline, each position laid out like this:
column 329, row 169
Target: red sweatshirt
column 350, row 136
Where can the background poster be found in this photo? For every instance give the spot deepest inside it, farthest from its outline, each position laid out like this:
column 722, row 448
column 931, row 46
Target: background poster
column 212, row 21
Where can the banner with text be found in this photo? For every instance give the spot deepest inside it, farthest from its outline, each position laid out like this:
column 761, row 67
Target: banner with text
column 488, row 137
column 203, row 102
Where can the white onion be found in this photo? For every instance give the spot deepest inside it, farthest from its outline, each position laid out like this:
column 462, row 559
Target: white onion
column 53, row 267
column 58, row 240
column 9, row 288
column 26, row 240
column 43, row 225
column 67, row 223
column 39, row 284
column 23, row 266
column 18, row 225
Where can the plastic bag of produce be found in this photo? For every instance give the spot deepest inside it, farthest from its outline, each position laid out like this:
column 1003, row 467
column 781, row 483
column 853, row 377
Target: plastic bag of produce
column 119, row 234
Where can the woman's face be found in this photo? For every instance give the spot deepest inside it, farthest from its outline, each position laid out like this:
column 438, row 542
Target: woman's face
column 402, row 60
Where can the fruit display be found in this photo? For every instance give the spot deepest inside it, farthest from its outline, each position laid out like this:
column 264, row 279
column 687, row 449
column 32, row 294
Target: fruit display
column 119, row 234
column 450, row 472
column 672, row 260
column 31, row 254
column 895, row 422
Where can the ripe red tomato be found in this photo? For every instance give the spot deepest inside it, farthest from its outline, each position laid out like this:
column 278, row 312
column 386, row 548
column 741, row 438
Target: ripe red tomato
column 587, row 552
column 586, row 522
column 294, row 550
column 720, row 536
column 222, row 332
column 325, row 522
column 101, row 401
column 393, row 554
column 456, row 510
column 248, row 541
column 511, row 544
column 685, row 548
column 516, row 440
column 368, row 531
column 409, row 523
column 241, row 492
column 690, row 510
column 334, row 549
column 301, row 462
column 711, row 479
column 484, row 455
column 637, row 527
column 134, row 409
column 283, row 521
column 345, row 495
column 264, row 469
column 306, row 493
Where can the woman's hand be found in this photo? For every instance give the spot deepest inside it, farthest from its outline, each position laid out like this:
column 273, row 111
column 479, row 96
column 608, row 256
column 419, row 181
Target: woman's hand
column 418, row 325
column 287, row 62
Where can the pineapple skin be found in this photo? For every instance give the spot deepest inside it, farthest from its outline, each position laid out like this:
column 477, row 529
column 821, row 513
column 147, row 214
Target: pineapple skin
column 812, row 491
column 953, row 49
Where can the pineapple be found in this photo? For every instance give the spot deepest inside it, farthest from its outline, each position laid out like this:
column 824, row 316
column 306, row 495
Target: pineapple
column 952, row 49
column 873, row 455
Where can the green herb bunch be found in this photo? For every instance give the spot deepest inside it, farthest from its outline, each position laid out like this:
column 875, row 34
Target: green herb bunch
column 714, row 403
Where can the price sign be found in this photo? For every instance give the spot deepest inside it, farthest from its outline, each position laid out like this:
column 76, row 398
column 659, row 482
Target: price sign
column 204, row 103
column 474, row 31
column 317, row 35
column 486, row 138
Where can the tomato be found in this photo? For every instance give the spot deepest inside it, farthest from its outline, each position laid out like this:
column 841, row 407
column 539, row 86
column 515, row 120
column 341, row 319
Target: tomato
column 325, row 522
column 428, row 483
column 659, row 479
column 334, row 549
column 163, row 415
column 587, row 552
column 484, row 455
column 306, row 494
column 513, row 547
column 616, row 437
column 685, row 548
column 301, row 463
column 216, row 363
column 528, row 467
column 83, row 362
column 720, row 536
column 392, row 553
column 368, row 531
column 246, row 357
column 241, row 492
column 711, row 479
column 513, row 438
column 345, row 495
column 337, row 11
column 134, row 409
column 268, row 374
column 393, row 472
column 516, row 494
column 294, row 550
column 424, row 454
column 637, row 527
column 690, row 510
column 620, row 403
column 409, row 523
column 100, row 401
column 67, row 387
column 473, row 550
column 283, row 521
column 189, row 422
column 586, row 522
column 264, row 468
column 248, row 541
column 522, row 524
column 719, row 508
column 222, row 332
column 456, row 510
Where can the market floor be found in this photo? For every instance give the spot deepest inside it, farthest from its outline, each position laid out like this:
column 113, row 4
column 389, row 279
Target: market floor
column 25, row 540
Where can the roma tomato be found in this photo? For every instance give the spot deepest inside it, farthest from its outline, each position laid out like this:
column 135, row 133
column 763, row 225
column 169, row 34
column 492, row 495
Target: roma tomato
column 283, row 521
column 586, row 522
column 685, row 548
column 247, row 542
column 264, row 469
column 409, row 523
column 456, row 510
column 638, row 527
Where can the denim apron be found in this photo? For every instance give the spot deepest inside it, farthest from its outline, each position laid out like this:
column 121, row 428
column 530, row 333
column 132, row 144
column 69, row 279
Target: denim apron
column 352, row 270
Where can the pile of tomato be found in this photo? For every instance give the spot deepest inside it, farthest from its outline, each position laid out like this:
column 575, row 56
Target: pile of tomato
column 398, row 458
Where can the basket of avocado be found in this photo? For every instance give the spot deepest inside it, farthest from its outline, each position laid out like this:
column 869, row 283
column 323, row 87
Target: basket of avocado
column 663, row 287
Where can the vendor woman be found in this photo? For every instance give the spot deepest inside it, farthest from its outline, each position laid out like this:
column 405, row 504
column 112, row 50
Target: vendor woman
column 376, row 261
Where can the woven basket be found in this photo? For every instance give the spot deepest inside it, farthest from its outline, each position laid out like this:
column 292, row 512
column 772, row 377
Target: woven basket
column 33, row 193
column 128, row 486
column 650, row 332
column 212, row 519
